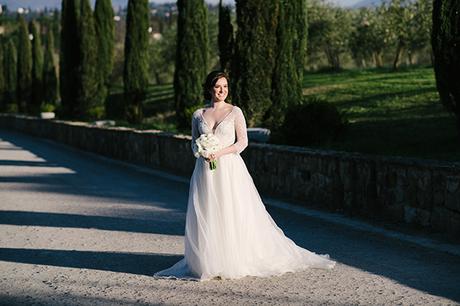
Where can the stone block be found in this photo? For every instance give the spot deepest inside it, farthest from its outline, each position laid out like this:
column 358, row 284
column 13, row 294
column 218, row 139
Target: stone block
column 423, row 217
column 393, row 213
column 410, row 214
column 452, row 194
column 446, row 220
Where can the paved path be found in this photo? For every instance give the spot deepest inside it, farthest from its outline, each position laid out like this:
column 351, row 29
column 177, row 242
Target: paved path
column 78, row 230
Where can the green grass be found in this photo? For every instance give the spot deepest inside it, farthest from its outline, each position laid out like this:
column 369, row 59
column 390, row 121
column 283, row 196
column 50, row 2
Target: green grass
column 158, row 110
column 389, row 113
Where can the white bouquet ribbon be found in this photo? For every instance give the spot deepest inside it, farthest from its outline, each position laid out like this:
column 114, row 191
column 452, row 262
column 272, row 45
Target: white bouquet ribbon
column 205, row 145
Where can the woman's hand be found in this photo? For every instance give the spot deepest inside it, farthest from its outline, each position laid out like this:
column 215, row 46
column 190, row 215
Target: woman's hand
column 213, row 156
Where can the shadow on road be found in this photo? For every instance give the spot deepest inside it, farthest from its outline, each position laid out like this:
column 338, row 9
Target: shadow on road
column 84, row 175
column 419, row 268
column 134, row 263
column 26, row 163
column 429, row 271
column 157, row 224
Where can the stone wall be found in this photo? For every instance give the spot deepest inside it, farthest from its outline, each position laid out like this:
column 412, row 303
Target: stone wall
column 419, row 192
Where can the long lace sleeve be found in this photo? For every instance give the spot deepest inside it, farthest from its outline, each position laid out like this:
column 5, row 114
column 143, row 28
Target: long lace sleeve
column 195, row 134
column 241, row 135
column 241, row 131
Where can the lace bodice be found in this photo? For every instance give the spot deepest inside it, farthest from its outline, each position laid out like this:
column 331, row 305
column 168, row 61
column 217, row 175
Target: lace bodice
column 231, row 131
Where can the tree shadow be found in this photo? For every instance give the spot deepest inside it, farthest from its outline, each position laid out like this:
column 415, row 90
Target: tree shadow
column 163, row 223
column 83, row 175
column 133, row 263
column 413, row 266
column 424, row 270
column 26, row 163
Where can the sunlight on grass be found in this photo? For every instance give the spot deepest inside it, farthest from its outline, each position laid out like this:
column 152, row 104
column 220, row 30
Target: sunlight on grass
column 389, row 113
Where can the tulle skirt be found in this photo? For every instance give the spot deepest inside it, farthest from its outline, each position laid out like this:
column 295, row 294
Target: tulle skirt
column 229, row 233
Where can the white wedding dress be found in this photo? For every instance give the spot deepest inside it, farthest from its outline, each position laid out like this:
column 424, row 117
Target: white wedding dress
column 228, row 233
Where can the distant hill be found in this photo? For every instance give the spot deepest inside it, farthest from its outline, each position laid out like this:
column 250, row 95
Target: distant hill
column 367, row 3
column 370, row 3
column 13, row 5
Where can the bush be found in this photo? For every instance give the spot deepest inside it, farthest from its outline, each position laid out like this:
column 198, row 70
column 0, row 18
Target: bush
column 11, row 108
column 313, row 122
column 115, row 106
column 47, row 107
column 96, row 112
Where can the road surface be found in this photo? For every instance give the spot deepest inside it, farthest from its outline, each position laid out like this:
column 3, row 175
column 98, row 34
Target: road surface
column 76, row 229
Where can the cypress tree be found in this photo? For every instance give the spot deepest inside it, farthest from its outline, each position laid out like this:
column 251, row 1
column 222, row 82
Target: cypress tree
column 69, row 57
column 191, row 58
column 225, row 38
column 105, row 32
column 50, row 81
column 299, row 10
column 254, row 59
column 37, row 69
column 288, row 71
column 11, row 69
column 89, row 105
column 2, row 77
column 24, row 73
column 446, row 50
column 55, row 26
column 135, row 74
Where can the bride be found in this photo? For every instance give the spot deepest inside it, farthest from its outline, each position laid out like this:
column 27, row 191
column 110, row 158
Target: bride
column 228, row 232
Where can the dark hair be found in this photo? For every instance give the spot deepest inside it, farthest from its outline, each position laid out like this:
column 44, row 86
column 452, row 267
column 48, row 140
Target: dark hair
column 211, row 80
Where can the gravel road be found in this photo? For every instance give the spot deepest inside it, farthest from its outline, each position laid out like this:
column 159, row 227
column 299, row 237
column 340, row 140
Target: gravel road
column 76, row 229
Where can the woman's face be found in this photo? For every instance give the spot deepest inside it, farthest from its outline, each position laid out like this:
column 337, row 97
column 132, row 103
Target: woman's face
column 220, row 90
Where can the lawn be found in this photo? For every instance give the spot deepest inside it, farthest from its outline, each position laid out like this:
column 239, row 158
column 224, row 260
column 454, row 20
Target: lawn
column 389, row 113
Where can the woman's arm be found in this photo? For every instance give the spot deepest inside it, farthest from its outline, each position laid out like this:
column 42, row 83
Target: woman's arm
column 195, row 134
column 241, row 136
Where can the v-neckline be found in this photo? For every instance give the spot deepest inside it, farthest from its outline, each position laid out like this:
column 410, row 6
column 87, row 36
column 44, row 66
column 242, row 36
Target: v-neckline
column 217, row 125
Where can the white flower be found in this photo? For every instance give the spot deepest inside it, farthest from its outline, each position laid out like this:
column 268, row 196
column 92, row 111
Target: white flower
column 205, row 145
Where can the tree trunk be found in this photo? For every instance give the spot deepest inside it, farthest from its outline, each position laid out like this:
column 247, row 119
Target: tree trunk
column 337, row 62
column 399, row 50
column 157, row 78
column 409, row 57
column 378, row 59
column 329, row 56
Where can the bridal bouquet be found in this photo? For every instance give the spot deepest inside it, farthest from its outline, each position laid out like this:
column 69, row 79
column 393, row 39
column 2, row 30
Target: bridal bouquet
column 207, row 144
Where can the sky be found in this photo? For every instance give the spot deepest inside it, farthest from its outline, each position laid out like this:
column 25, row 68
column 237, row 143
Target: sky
column 40, row 4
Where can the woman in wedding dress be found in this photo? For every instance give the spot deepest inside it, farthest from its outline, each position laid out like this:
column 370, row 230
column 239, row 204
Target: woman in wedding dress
column 228, row 232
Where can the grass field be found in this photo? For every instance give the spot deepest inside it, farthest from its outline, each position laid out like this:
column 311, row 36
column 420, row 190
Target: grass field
column 389, row 113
